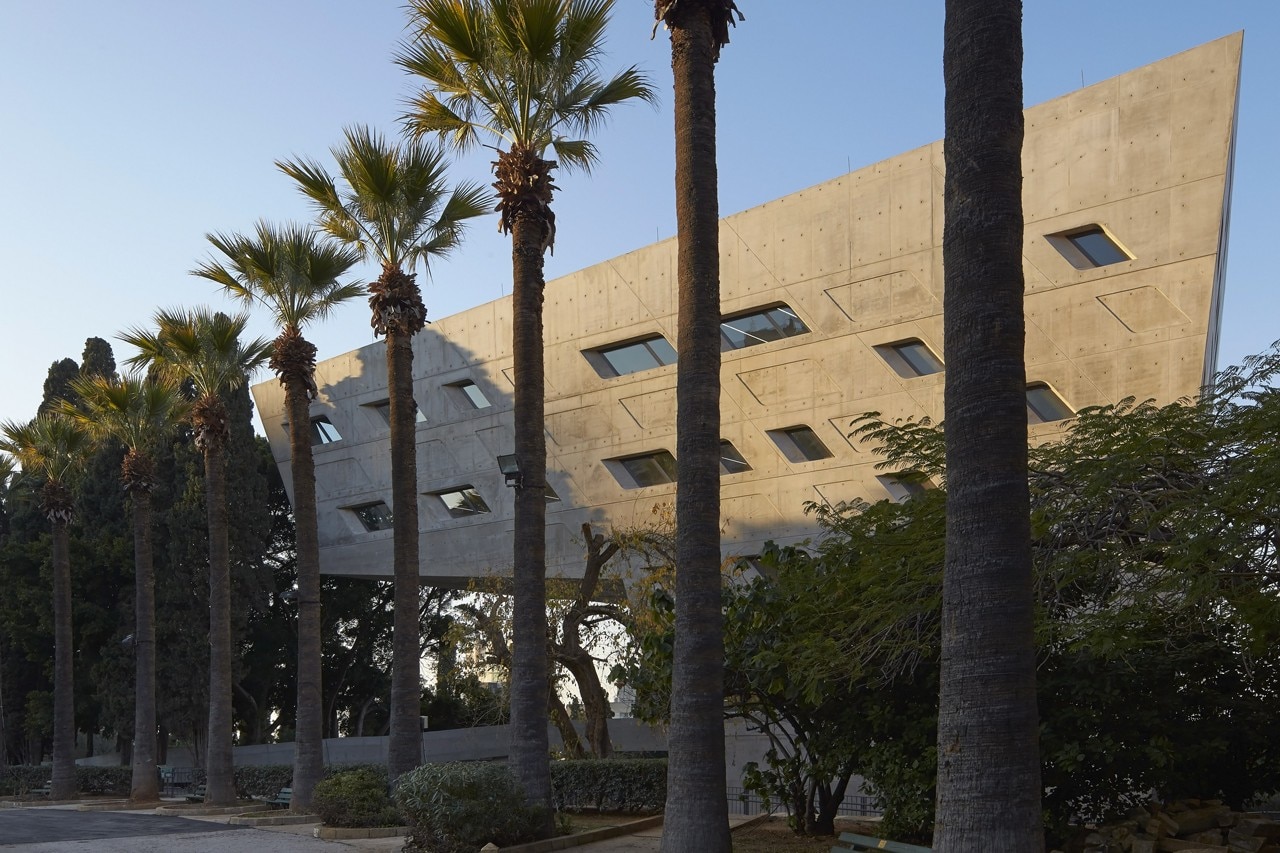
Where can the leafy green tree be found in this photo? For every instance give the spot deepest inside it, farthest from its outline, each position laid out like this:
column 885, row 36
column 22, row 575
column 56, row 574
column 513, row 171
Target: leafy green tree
column 206, row 349
column 51, row 448
column 988, row 772
column 296, row 277
column 1154, row 546
column 696, row 812
column 523, row 74
column 138, row 412
column 394, row 206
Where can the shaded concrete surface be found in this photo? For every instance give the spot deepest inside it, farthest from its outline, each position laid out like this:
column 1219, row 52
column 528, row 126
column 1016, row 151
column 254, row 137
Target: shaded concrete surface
column 63, row 829
column 54, row 829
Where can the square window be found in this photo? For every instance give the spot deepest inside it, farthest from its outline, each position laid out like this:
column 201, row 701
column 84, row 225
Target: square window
column 1089, row 247
column 462, row 502
column 632, row 357
column 550, row 494
column 323, row 431
column 910, row 358
column 471, row 391
column 731, row 461
column 374, row 516
column 643, row 469
column 800, row 444
column 760, row 327
column 1044, row 406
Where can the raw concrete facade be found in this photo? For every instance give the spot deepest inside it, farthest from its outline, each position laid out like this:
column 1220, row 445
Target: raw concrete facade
column 1126, row 196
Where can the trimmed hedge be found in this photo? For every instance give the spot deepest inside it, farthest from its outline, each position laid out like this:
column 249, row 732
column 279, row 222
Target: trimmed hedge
column 622, row 785
column 355, row 798
column 460, row 807
column 20, row 779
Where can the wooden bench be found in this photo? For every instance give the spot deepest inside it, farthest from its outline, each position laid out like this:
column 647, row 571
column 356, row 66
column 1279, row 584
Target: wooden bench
column 196, row 795
column 865, row 842
column 282, row 800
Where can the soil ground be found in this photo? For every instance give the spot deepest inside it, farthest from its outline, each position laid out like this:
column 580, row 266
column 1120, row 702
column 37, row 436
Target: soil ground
column 774, row 836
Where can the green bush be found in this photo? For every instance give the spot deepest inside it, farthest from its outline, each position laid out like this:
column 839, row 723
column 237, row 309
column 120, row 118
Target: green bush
column 355, row 798
column 116, row 781
column 262, row 780
column 459, row 808
column 626, row 785
column 19, row 779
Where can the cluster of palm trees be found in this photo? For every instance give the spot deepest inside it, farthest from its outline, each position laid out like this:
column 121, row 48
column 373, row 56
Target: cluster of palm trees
column 523, row 76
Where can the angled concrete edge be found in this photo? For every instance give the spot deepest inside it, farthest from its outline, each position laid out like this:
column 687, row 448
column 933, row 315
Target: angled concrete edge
column 565, row 842
column 338, row 833
column 277, row 819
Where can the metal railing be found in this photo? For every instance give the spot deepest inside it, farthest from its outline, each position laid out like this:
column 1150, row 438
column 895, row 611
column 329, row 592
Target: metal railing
column 744, row 802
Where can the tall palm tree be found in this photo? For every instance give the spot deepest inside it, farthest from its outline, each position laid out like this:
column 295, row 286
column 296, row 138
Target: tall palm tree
column 295, row 276
column 206, row 349
column 395, row 207
column 988, row 757
column 697, row 812
column 138, row 412
column 52, row 448
column 521, row 74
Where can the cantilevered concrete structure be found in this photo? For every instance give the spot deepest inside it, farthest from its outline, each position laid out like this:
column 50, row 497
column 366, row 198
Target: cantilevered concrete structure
column 833, row 305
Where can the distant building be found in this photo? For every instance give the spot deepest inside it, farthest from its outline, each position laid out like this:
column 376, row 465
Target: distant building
column 832, row 302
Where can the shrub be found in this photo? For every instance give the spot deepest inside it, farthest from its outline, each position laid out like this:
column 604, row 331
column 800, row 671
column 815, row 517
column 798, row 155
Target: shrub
column 634, row 785
column 262, row 780
column 355, row 798
column 19, row 779
column 104, row 780
column 460, row 807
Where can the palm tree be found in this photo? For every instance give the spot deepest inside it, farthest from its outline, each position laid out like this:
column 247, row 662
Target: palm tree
column 988, row 757
column 52, row 448
column 521, row 73
column 394, row 207
column 294, row 275
column 138, row 412
column 205, row 348
column 697, row 812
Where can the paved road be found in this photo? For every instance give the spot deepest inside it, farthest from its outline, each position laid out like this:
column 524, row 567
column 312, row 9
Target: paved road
column 65, row 830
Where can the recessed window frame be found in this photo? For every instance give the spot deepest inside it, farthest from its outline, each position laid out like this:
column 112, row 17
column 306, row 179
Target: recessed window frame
column 780, row 329
column 323, row 431
column 653, row 351
column 461, row 501
column 1045, row 405
column 800, row 443
column 1089, row 247
column 731, row 459
column 904, row 486
column 382, row 408
column 911, row 358
column 471, row 394
column 372, row 515
column 643, row 470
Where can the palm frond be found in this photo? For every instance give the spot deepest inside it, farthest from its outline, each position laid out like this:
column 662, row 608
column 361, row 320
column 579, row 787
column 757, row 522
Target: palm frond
column 49, row 446
column 199, row 345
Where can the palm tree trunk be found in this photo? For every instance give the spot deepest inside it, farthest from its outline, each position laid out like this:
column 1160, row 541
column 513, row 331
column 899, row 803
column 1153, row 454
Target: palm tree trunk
column 145, row 785
column 308, row 740
column 219, row 773
column 988, row 757
column 404, row 751
column 530, row 747
column 63, row 781
column 697, row 814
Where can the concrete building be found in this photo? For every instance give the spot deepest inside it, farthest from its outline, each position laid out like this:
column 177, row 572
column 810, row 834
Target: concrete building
column 832, row 299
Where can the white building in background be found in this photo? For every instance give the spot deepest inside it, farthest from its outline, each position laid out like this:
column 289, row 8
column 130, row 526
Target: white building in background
column 832, row 302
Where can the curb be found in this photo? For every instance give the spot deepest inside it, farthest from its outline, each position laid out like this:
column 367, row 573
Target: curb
column 340, row 833
column 565, row 842
column 277, row 819
column 197, row 810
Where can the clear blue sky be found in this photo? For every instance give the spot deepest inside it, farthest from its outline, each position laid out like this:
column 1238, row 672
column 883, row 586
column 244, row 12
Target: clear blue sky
column 129, row 129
